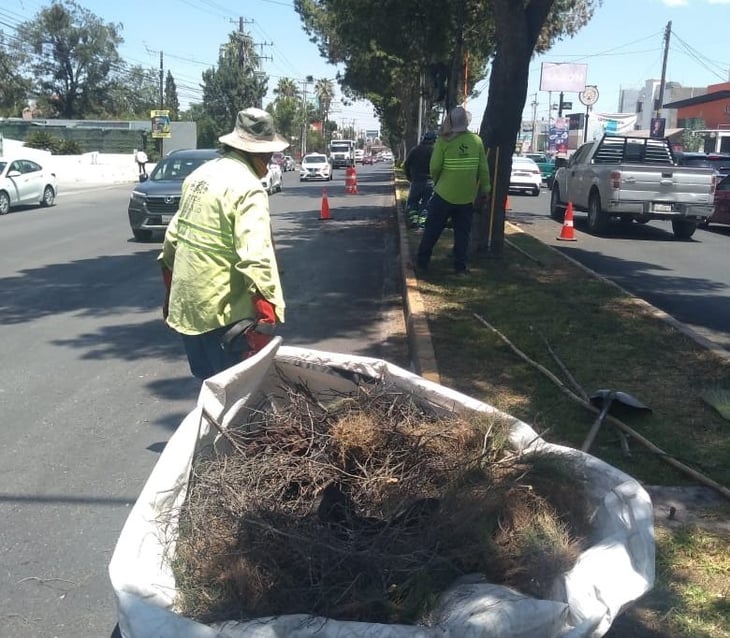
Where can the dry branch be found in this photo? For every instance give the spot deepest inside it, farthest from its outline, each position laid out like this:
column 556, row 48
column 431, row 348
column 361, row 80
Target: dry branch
column 706, row 480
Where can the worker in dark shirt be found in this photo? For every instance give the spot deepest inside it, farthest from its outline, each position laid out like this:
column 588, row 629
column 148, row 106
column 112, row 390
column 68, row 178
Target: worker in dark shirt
column 421, row 188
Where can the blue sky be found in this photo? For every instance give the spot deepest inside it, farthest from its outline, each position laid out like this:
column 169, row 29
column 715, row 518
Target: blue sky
column 622, row 46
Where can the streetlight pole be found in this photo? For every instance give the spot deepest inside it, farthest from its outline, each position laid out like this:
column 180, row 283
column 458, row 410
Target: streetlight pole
column 305, row 111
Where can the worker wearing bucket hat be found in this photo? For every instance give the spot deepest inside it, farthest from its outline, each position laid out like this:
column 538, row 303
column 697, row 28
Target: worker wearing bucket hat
column 217, row 259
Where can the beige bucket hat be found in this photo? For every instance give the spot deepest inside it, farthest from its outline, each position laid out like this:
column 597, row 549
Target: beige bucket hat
column 457, row 121
column 254, row 133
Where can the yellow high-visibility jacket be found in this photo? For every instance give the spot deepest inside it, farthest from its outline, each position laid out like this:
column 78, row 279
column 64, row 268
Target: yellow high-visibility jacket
column 219, row 248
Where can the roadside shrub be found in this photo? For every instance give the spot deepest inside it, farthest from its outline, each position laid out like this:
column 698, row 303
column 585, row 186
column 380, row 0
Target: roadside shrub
column 69, row 147
column 43, row 140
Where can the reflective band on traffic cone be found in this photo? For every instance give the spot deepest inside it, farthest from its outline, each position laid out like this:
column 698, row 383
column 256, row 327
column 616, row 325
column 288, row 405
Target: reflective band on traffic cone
column 567, row 233
column 324, row 212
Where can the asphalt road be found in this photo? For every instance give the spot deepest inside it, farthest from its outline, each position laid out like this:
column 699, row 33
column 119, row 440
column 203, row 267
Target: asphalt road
column 93, row 384
column 689, row 280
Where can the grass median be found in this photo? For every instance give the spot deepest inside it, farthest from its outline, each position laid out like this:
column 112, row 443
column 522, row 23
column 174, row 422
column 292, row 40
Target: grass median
column 500, row 333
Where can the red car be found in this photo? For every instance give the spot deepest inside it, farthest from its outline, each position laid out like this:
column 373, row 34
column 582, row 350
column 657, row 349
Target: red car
column 721, row 214
column 721, row 163
column 368, row 159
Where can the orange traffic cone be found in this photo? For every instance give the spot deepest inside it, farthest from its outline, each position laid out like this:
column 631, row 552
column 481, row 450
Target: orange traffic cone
column 567, row 233
column 507, row 205
column 324, row 212
column 351, row 181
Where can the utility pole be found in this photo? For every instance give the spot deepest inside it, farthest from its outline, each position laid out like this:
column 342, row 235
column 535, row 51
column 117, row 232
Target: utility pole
column 533, row 143
column 241, row 36
column 660, row 101
column 305, row 124
column 162, row 89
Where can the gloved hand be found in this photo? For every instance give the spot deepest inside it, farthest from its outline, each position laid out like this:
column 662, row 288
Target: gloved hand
column 167, row 280
column 482, row 202
column 266, row 320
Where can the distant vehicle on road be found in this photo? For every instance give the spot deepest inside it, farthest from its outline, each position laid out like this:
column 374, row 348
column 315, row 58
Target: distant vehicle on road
column 359, row 155
column 272, row 181
column 525, row 176
column 368, row 159
column 342, row 153
column 315, row 166
column 25, row 181
column 289, row 163
column 546, row 165
column 155, row 199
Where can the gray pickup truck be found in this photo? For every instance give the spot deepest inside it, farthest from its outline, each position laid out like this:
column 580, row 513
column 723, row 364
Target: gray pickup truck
column 633, row 179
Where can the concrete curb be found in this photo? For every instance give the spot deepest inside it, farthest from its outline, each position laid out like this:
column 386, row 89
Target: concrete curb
column 423, row 357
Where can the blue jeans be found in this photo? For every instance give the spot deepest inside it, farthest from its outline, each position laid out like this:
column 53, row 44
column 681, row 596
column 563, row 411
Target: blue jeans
column 206, row 355
column 419, row 194
column 439, row 212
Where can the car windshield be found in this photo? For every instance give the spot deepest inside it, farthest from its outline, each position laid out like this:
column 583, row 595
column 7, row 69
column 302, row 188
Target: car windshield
column 2, row 166
column 314, row 159
column 176, row 169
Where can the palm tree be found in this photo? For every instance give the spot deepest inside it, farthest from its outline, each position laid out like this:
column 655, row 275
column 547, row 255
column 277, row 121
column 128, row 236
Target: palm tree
column 325, row 91
column 286, row 88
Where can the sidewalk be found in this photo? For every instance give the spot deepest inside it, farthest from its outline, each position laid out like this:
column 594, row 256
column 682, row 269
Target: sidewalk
column 86, row 170
column 94, row 169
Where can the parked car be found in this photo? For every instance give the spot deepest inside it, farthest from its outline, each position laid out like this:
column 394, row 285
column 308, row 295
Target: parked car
column 272, row 181
column 525, row 176
column 25, row 181
column 546, row 165
column 289, row 163
column 315, row 166
column 155, row 199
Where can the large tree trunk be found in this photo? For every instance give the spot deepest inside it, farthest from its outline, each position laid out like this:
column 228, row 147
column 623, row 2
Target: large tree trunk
column 518, row 26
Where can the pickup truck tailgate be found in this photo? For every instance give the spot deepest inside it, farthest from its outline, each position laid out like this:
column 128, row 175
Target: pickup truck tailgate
column 678, row 184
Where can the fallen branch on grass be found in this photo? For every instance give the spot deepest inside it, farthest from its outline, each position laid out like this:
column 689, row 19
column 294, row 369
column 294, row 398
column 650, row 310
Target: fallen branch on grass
column 706, row 480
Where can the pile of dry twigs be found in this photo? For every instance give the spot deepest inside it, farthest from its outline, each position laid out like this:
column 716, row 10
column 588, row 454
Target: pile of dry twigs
column 368, row 507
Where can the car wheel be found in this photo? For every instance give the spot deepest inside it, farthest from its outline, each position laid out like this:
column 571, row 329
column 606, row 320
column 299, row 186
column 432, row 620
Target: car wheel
column 142, row 234
column 536, row 191
column 4, row 203
column 597, row 219
column 49, row 196
column 557, row 211
column 683, row 228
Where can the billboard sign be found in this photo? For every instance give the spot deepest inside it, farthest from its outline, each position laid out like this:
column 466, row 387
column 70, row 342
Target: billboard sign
column 160, row 124
column 563, row 77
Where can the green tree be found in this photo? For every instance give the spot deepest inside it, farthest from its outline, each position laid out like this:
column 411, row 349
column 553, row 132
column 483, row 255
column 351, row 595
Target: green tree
column 324, row 89
column 285, row 108
column 208, row 131
column 383, row 66
column 132, row 94
column 15, row 88
column 520, row 30
column 73, row 57
column 172, row 102
column 236, row 82
column 392, row 71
